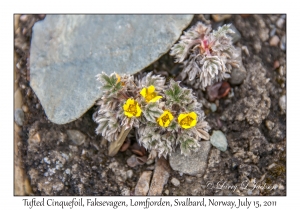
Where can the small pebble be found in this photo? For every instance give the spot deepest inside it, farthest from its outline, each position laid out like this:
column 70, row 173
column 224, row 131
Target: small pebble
column 257, row 46
column 18, row 65
column 280, row 22
column 76, row 136
column 175, row 182
column 245, row 49
column 19, row 117
column 281, row 71
column 282, row 103
column 276, row 64
column 46, row 160
column 218, row 139
column 35, row 139
column 281, row 187
column 25, row 108
column 274, row 41
column 213, row 107
column 272, row 32
column 167, row 192
column 23, row 18
column 270, row 124
column 129, row 174
column 67, row 171
column 249, row 192
column 188, row 180
column 283, row 43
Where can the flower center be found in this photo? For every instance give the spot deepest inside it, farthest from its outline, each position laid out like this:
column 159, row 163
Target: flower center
column 132, row 109
column 186, row 121
column 165, row 119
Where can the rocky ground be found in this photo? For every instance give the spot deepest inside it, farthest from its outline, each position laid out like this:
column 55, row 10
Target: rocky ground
column 71, row 159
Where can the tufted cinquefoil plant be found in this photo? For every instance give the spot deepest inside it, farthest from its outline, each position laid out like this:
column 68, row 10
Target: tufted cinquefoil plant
column 207, row 57
column 164, row 115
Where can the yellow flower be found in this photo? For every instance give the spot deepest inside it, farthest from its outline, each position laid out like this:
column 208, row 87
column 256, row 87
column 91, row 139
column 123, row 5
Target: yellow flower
column 118, row 78
column 131, row 108
column 149, row 94
column 165, row 119
column 187, row 120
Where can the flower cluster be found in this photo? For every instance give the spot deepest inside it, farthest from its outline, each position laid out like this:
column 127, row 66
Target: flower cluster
column 164, row 115
column 207, row 57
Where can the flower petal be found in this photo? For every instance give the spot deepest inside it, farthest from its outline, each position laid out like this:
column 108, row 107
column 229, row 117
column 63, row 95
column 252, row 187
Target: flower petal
column 155, row 98
column 143, row 92
column 150, row 89
column 181, row 117
column 139, row 111
column 193, row 115
column 193, row 123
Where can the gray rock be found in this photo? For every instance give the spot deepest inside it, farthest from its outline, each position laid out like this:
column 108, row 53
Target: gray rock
column 175, row 182
column 76, row 136
column 19, row 117
column 194, row 164
column 238, row 75
column 143, row 184
column 213, row 107
column 218, row 139
column 68, row 51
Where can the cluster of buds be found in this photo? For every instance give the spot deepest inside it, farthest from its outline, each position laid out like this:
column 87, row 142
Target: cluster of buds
column 207, row 57
column 164, row 115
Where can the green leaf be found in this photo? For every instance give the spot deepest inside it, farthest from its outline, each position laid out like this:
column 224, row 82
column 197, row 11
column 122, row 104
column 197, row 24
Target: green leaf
column 152, row 112
column 187, row 145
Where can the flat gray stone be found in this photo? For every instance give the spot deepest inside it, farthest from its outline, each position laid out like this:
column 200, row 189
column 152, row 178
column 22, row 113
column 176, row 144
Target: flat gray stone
column 218, row 139
column 194, row 164
column 68, row 51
